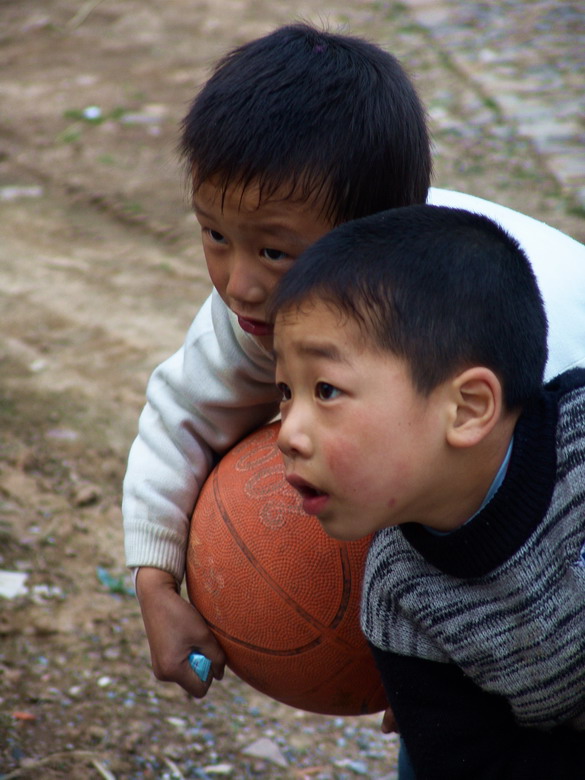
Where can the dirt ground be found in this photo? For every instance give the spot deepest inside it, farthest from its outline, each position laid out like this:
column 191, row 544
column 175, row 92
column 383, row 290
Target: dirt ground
column 100, row 275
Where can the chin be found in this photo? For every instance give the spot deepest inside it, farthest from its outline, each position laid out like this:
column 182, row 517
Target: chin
column 341, row 534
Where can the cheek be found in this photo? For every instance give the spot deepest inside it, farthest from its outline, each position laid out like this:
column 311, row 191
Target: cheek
column 341, row 460
column 367, row 473
column 352, row 467
column 216, row 274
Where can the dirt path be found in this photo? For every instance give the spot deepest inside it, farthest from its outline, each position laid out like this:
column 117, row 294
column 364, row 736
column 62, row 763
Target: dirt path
column 100, row 274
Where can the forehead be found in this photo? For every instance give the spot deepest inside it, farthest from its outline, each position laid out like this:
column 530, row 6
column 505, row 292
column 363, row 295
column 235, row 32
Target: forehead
column 318, row 329
column 213, row 192
column 251, row 197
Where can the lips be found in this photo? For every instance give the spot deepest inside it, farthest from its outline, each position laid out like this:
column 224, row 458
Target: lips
column 314, row 501
column 255, row 327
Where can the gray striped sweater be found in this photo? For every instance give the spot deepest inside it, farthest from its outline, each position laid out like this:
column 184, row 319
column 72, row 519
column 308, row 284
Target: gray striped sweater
column 504, row 596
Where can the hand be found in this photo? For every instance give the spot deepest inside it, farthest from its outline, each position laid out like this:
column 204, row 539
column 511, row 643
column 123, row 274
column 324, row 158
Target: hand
column 389, row 722
column 175, row 629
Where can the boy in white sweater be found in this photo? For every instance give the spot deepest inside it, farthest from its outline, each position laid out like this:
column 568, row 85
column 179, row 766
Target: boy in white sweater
column 294, row 133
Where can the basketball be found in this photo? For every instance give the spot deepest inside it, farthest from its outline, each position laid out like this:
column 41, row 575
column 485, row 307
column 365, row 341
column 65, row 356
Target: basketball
column 281, row 597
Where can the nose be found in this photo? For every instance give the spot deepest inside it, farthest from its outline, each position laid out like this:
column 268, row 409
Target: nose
column 245, row 282
column 293, row 438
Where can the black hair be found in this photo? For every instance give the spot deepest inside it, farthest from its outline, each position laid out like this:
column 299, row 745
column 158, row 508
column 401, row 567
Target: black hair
column 443, row 288
column 329, row 116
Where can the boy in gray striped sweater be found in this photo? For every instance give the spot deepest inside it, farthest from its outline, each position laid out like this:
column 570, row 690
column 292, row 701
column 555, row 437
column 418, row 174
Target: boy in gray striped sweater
column 410, row 349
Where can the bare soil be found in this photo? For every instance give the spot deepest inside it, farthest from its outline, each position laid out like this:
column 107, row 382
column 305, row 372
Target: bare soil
column 100, row 275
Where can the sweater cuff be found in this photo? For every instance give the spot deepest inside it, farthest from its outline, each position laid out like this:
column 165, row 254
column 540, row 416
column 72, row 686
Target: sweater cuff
column 163, row 550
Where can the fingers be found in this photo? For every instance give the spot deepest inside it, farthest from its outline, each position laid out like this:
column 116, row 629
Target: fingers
column 175, row 630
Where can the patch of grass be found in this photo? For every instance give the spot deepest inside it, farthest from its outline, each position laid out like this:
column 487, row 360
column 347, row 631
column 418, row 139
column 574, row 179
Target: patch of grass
column 133, row 207
column 81, row 117
column 70, row 135
column 576, row 210
column 85, row 115
column 491, row 104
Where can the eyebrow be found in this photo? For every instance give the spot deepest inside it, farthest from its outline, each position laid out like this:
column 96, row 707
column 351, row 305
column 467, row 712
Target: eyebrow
column 279, row 230
column 325, row 350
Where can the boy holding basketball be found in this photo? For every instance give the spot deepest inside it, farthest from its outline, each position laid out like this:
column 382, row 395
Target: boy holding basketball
column 411, row 347
column 293, row 134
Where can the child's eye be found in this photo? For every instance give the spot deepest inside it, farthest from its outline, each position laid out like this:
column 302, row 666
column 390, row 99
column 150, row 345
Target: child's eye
column 326, row 392
column 216, row 236
column 274, row 254
column 285, row 391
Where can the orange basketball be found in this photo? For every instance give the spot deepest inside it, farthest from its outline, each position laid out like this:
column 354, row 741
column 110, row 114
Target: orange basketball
column 281, row 596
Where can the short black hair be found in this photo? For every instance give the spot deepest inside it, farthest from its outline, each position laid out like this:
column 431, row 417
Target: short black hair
column 328, row 115
column 443, row 288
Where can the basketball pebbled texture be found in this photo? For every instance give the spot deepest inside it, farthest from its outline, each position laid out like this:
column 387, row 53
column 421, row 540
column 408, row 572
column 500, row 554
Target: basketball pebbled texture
column 281, row 596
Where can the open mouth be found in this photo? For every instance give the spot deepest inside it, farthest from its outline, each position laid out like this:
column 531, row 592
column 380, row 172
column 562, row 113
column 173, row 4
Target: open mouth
column 306, row 491
column 314, row 501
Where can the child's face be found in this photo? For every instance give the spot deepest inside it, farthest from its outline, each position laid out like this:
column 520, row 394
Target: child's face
column 360, row 444
column 249, row 245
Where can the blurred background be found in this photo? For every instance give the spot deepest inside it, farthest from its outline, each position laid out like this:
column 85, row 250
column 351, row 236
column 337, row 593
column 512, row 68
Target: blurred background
column 100, row 275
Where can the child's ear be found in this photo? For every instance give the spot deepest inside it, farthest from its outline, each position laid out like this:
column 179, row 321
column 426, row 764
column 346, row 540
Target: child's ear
column 476, row 406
